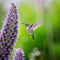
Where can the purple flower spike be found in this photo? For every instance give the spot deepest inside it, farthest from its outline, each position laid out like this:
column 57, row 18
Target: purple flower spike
column 19, row 54
column 9, row 33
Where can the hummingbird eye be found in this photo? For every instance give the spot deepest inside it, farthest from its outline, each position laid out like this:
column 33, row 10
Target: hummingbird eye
column 27, row 25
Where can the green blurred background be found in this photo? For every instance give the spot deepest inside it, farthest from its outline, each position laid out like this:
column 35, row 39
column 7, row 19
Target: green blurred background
column 47, row 37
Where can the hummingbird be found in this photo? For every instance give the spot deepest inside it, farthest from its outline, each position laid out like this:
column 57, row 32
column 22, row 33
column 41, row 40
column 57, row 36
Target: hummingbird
column 31, row 28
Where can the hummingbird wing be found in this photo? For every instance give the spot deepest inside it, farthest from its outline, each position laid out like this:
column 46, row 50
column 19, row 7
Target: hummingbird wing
column 35, row 26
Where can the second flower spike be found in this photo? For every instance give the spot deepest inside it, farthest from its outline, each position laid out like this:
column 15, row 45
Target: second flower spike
column 19, row 54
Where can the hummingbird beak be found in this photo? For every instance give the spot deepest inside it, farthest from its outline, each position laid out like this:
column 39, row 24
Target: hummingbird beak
column 27, row 25
column 22, row 23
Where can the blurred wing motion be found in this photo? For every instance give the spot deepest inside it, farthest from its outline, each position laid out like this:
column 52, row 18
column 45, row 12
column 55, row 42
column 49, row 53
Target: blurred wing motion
column 36, row 25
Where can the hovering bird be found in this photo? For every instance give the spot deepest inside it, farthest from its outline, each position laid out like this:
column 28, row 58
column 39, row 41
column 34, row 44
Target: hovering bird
column 31, row 28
